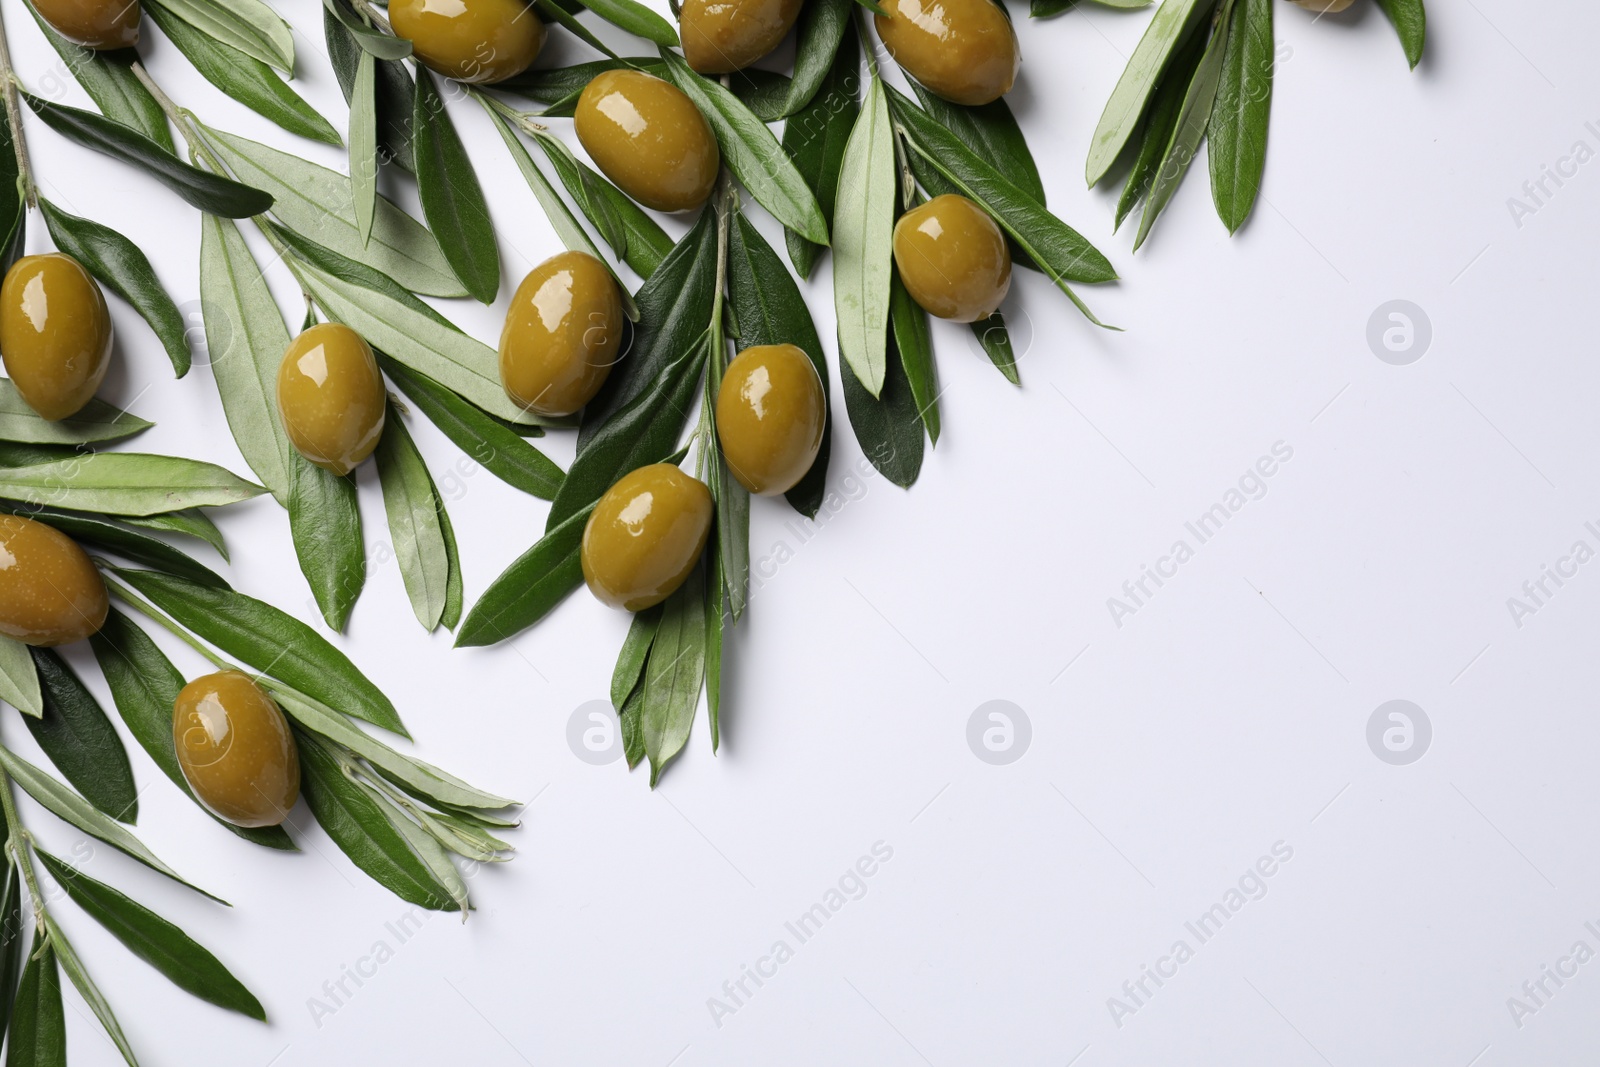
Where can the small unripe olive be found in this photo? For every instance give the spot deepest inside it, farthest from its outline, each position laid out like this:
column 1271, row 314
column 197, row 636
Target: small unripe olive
column 330, row 397
column 474, row 41
column 236, row 749
column 770, row 416
column 50, row 591
column 97, row 24
column 563, row 332
column 722, row 36
column 952, row 258
column 55, row 333
column 962, row 50
column 645, row 536
column 649, row 138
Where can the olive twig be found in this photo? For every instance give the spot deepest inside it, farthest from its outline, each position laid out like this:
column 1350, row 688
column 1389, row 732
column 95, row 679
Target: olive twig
column 180, row 118
column 372, row 14
column 18, row 841
column 149, row 610
column 522, row 119
column 19, row 143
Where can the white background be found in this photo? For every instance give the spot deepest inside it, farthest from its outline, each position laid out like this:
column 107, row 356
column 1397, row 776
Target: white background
column 1167, row 755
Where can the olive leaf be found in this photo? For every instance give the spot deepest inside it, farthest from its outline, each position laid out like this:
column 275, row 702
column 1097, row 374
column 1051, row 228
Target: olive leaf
column 635, row 650
column 319, row 204
column 125, row 483
column 818, row 36
column 38, row 1035
column 1411, row 23
column 644, row 243
column 455, row 594
column 1173, row 22
column 87, row 989
column 249, row 26
column 1159, row 124
column 424, row 846
column 636, row 19
column 414, row 530
column 815, row 136
column 145, row 685
column 992, row 133
column 361, row 830
column 915, row 345
column 500, row 450
column 534, row 583
column 109, row 80
column 863, row 226
column 556, row 11
column 364, row 145
column 346, row 269
column 127, row 543
column 1040, row 9
column 772, row 311
column 190, row 523
column 730, row 551
column 184, row 962
column 96, row 421
column 245, row 78
column 275, row 643
column 19, row 678
column 13, row 209
column 373, row 42
column 718, row 616
column 889, row 426
column 752, row 153
column 75, row 733
column 72, row 808
column 10, row 941
column 764, row 92
column 674, row 674
column 452, row 199
column 1188, row 131
column 393, row 95
column 326, row 526
column 119, row 264
column 1237, row 133
column 202, row 189
column 562, row 86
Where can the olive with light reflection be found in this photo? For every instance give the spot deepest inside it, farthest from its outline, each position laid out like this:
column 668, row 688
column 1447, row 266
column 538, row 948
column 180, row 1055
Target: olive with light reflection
column 50, row 591
column 96, row 24
column 474, row 41
column 649, row 138
column 331, row 398
column 722, row 36
column 55, row 333
column 236, row 750
column 563, row 332
column 963, row 50
column 645, row 536
column 771, row 413
column 952, row 258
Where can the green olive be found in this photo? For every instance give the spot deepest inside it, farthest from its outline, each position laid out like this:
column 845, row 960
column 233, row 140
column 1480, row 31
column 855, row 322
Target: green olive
column 952, row 258
column 962, row 50
column 330, row 397
column 236, row 750
column 645, row 536
column 473, row 41
column 97, row 24
column 770, row 416
column 55, row 333
column 563, row 332
column 50, row 591
column 649, row 138
column 722, row 36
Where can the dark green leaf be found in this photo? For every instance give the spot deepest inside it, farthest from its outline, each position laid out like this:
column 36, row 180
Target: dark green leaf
column 818, row 35
column 359, row 827
column 156, row 941
column 1237, row 136
column 730, row 548
column 674, row 674
column 345, row 269
column 96, row 421
column 11, row 931
column 413, row 512
column 378, row 44
column 632, row 733
column 762, row 91
column 500, row 450
column 771, row 311
column 991, row 131
column 816, row 135
column 123, row 268
column 270, row 641
column 636, row 19
column 635, row 649
column 395, row 90
column 996, row 341
column 145, row 686
column 75, row 733
column 889, row 428
column 245, row 78
column 535, row 582
column 718, row 614
column 647, row 244
column 751, row 151
column 125, row 483
column 454, row 589
column 1160, row 123
column 1411, row 23
column 557, row 11
column 326, row 525
column 109, row 80
column 206, row 191
column 250, row 26
column 122, row 541
column 452, row 199
column 87, row 989
column 13, row 209
column 191, row 523
column 915, row 344
column 551, row 85
column 38, row 1036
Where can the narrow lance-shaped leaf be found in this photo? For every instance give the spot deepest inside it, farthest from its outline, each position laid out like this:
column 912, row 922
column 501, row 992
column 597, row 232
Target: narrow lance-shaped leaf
column 191, row 523
column 97, row 421
column 326, row 527
column 38, row 1035
column 821, row 29
column 635, row 650
column 637, row 19
column 364, row 144
column 19, row 678
column 1411, row 23
column 119, row 265
column 863, row 228
column 75, row 733
column 888, row 427
column 1237, row 135
column 413, row 513
column 452, row 199
column 109, row 80
column 815, row 137
column 88, row 990
column 915, row 345
column 394, row 90
column 11, row 934
column 530, row 587
column 644, row 243
column 13, row 209
column 674, row 674
column 125, row 483
column 247, row 25
column 1159, row 124
column 371, row 41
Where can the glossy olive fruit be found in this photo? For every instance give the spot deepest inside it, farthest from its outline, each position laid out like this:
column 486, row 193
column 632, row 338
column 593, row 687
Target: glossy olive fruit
column 474, row 41
column 97, row 24
column 770, row 417
column 330, row 397
column 722, row 36
column 236, row 750
column 962, row 50
column 952, row 258
column 645, row 536
column 50, row 591
column 55, row 333
column 563, row 332
column 649, row 138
